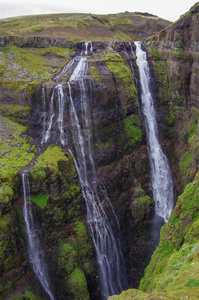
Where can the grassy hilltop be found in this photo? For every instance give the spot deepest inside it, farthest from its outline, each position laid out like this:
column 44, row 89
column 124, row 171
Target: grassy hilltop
column 81, row 27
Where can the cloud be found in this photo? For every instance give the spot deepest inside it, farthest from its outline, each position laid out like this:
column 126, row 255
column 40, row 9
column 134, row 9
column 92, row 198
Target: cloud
column 169, row 9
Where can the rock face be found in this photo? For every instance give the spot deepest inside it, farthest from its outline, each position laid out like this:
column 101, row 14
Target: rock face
column 59, row 210
column 118, row 147
column 174, row 61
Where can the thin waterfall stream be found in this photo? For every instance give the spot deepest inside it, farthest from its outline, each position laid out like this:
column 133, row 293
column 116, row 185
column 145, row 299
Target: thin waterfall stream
column 34, row 248
column 161, row 178
column 106, row 241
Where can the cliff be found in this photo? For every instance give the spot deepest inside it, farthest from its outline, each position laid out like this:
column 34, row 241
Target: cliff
column 173, row 54
column 31, row 61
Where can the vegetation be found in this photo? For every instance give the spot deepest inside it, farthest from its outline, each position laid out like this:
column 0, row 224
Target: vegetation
column 118, row 68
column 40, row 200
column 73, row 261
column 141, row 208
column 76, row 27
column 16, row 152
column 174, row 264
column 22, row 68
column 77, row 285
column 133, row 131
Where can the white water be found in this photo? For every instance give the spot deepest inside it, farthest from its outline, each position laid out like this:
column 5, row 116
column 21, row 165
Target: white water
column 43, row 98
column 86, row 49
column 57, row 90
column 108, row 249
column 64, row 70
column 162, row 183
column 34, row 247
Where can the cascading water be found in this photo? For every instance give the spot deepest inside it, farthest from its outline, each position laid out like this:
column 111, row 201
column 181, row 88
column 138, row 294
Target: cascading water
column 58, row 89
column 108, row 248
column 162, row 183
column 86, row 48
column 64, row 70
column 34, row 247
column 43, row 98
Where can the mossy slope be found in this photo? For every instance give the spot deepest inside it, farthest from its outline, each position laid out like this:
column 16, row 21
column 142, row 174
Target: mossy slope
column 23, row 68
column 16, row 152
column 80, row 27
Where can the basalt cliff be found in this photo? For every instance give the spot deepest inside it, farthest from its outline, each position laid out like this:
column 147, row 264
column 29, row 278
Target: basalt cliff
column 33, row 55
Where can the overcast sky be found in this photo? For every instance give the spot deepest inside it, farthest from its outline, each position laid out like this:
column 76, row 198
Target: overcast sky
column 167, row 9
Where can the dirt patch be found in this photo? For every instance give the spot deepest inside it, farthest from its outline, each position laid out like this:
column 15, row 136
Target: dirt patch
column 93, row 31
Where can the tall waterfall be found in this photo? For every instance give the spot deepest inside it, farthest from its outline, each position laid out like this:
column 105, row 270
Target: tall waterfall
column 108, row 249
column 34, row 248
column 162, row 183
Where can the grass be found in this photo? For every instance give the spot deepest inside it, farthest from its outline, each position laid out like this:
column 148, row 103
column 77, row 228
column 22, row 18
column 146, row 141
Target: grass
column 16, row 152
column 21, row 67
column 118, row 68
column 40, row 200
column 116, row 26
column 133, row 130
column 175, row 263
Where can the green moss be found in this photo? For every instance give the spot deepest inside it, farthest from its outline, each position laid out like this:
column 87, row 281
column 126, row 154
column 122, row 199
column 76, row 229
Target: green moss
column 118, row 68
column 77, row 285
column 185, row 162
column 93, row 70
column 48, row 161
column 185, row 165
column 164, row 89
column 133, row 132
column 26, row 67
column 155, row 53
column 16, row 152
column 192, row 130
column 14, row 112
column 27, row 296
column 40, row 200
column 37, row 29
column 83, row 244
column 141, row 208
column 67, row 259
column 175, row 263
column 180, row 54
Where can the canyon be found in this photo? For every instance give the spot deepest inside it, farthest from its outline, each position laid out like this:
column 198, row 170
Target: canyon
column 46, row 101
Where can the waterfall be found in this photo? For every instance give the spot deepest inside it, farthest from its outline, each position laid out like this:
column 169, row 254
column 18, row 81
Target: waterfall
column 43, row 98
column 161, row 178
column 34, row 248
column 64, row 70
column 57, row 90
column 108, row 248
column 86, row 48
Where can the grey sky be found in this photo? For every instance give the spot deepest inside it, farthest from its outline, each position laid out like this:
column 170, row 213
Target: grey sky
column 167, row 9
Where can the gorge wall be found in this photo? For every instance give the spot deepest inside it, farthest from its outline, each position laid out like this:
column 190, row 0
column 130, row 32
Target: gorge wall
column 173, row 56
column 120, row 153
